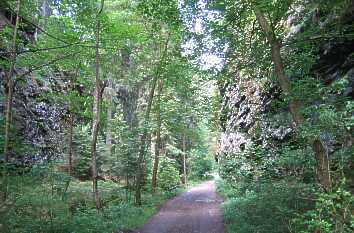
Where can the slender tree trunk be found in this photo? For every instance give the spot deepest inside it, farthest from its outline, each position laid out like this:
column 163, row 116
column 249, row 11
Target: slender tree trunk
column 96, row 116
column 109, row 119
column 294, row 106
column 321, row 152
column 126, row 187
column 323, row 169
column 71, row 122
column 71, row 136
column 141, row 158
column 10, row 87
column 8, row 104
column 144, row 137
column 184, row 148
column 158, row 145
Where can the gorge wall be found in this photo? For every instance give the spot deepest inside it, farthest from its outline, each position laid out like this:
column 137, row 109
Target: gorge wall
column 247, row 115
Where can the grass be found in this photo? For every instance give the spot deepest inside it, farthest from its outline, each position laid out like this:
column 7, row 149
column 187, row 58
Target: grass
column 43, row 204
column 262, row 207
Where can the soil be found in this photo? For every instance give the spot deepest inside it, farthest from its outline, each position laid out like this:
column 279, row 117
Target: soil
column 195, row 211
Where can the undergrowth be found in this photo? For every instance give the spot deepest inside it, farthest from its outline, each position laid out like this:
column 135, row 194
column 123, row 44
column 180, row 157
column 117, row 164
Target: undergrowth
column 262, row 207
column 52, row 202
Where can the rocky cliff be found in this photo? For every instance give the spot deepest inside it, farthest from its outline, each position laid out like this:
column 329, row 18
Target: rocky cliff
column 246, row 114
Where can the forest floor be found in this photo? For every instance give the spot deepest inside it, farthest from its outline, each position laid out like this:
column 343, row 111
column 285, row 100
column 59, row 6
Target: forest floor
column 195, row 211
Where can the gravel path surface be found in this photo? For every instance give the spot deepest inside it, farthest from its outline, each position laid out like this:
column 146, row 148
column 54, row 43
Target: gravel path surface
column 195, row 211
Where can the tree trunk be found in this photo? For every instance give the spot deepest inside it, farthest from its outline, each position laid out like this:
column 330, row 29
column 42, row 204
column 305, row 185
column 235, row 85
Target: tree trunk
column 141, row 158
column 96, row 116
column 321, row 152
column 109, row 119
column 71, row 136
column 71, row 122
column 323, row 170
column 158, row 145
column 184, row 160
column 9, row 84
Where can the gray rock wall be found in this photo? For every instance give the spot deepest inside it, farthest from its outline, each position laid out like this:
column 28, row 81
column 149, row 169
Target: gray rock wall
column 37, row 123
column 246, row 115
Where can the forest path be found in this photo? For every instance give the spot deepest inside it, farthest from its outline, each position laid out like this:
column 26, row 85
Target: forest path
column 195, row 211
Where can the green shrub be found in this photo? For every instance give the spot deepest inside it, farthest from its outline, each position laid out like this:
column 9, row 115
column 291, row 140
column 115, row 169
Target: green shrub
column 264, row 207
column 40, row 202
column 168, row 175
column 82, row 152
column 333, row 213
column 201, row 165
column 251, row 164
column 111, row 219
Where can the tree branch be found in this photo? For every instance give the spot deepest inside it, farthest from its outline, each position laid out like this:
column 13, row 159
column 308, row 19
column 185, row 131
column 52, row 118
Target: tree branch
column 44, row 65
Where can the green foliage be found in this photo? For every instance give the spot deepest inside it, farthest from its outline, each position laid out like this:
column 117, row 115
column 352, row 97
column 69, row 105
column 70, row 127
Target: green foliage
column 59, row 66
column 42, row 201
column 142, row 40
column 82, row 152
column 201, row 165
column 82, row 145
column 262, row 207
column 124, row 157
column 121, row 217
column 18, row 145
column 160, row 11
column 251, row 164
column 332, row 214
column 168, row 175
column 264, row 181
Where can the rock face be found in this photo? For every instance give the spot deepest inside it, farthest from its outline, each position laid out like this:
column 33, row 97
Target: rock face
column 244, row 118
column 246, row 115
column 36, row 123
column 242, row 103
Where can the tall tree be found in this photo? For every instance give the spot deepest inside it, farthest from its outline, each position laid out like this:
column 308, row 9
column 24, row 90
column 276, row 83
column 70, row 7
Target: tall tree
column 146, row 121
column 158, row 144
column 99, row 88
column 320, row 149
column 109, row 136
column 143, row 140
column 243, row 16
column 184, row 150
column 9, row 82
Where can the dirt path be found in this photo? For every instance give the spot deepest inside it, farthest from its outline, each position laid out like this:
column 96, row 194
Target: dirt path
column 195, row 211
